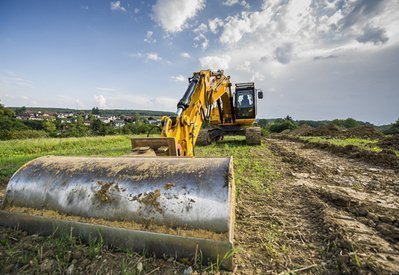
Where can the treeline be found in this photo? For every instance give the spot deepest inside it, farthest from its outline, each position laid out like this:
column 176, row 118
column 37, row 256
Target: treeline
column 281, row 124
column 114, row 112
column 12, row 128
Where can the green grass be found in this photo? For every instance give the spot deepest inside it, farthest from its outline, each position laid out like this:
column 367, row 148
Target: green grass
column 14, row 153
column 252, row 164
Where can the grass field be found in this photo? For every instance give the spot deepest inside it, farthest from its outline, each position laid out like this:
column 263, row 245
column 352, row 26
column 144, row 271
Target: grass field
column 14, row 153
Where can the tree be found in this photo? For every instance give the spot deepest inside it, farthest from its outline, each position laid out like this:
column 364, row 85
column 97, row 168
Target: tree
column 280, row 125
column 95, row 111
column 289, row 118
column 136, row 117
column 8, row 124
column 98, row 127
column 50, row 127
column 346, row 123
column 393, row 128
column 20, row 111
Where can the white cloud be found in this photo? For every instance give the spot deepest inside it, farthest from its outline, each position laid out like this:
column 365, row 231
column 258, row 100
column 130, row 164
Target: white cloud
column 234, row 2
column 116, row 6
column 244, row 67
column 136, row 54
column 178, row 78
column 185, row 55
column 201, row 40
column 105, row 89
column 215, row 24
column 257, row 76
column 100, row 101
column 215, row 62
column 149, row 37
column 153, row 57
column 172, row 15
column 201, row 28
column 136, row 10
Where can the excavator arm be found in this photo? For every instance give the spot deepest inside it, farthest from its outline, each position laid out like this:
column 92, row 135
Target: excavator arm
column 180, row 133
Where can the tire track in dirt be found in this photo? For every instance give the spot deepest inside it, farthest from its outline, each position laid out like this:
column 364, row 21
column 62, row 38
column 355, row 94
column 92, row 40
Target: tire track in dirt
column 358, row 207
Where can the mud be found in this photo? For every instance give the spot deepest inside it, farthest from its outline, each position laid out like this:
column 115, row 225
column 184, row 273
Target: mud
column 151, row 199
column 149, row 226
column 103, row 194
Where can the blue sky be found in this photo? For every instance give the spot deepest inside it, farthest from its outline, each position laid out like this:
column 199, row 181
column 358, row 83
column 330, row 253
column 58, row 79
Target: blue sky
column 314, row 59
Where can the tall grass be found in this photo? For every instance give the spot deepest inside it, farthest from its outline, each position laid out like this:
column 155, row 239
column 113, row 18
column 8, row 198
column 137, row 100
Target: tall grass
column 14, row 153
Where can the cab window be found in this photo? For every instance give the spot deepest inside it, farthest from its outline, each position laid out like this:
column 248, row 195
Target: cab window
column 245, row 104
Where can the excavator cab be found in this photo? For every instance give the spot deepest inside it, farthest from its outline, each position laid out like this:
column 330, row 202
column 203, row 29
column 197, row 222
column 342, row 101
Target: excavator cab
column 245, row 100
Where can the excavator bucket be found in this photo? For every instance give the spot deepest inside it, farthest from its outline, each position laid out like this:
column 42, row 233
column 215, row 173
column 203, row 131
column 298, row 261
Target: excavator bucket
column 174, row 206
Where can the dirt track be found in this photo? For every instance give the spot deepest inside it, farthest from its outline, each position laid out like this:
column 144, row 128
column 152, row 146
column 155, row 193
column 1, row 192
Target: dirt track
column 324, row 214
column 327, row 214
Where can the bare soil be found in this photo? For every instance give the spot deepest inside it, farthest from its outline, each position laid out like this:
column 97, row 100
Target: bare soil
column 325, row 214
column 346, row 212
column 332, row 131
column 391, row 142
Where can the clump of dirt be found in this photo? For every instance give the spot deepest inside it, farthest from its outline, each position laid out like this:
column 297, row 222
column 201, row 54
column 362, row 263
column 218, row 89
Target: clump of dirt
column 364, row 131
column 103, row 194
column 150, row 199
column 327, row 130
column 169, row 185
column 390, row 142
column 303, row 130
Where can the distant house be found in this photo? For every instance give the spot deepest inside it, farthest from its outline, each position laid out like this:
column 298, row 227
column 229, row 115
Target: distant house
column 152, row 120
column 107, row 120
column 119, row 123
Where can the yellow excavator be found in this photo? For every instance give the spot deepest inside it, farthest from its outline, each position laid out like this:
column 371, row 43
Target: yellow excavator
column 158, row 199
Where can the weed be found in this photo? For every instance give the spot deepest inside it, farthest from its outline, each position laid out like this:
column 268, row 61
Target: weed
column 95, row 245
column 357, row 260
